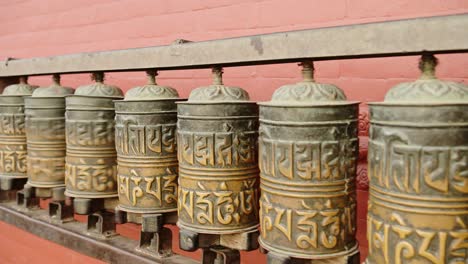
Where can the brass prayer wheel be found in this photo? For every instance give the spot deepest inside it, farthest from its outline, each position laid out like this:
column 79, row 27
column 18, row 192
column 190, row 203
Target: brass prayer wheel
column 146, row 122
column 418, row 171
column 218, row 171
column 91, row 165
column 45, row 130
column 308, row 150
column 13, row 149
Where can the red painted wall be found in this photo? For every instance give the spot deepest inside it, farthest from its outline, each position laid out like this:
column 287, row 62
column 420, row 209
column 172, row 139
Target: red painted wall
column 32, row 28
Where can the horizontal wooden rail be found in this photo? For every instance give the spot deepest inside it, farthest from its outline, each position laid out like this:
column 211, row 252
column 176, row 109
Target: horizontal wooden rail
column 441, row 34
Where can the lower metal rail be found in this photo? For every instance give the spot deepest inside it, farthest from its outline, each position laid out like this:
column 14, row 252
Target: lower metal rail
column 117, row 249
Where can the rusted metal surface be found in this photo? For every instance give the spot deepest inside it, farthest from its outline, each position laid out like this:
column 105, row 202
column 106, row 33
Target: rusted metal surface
column 13, row 150
column 218, row 172
column 146, row 145
column 91, row 164
column 418, row 156
column 26, row 197
column 220, row 255
column 60, row 212
column 116, row 250
column 155, row 239
column 101, row 225
column 444, row 34
column 45, row 132
column 308, row 156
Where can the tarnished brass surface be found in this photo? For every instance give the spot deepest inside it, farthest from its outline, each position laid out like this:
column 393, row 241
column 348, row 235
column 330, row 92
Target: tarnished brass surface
column 146, row 145
column 13, row 150
column 45, row 130
column 308, row 148
column 91, row 165
column 418, row 168
column 218, row 172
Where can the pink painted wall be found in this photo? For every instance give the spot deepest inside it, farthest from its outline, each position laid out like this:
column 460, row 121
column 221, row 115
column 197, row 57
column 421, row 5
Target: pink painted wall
column 37, row 28
column 31, row 28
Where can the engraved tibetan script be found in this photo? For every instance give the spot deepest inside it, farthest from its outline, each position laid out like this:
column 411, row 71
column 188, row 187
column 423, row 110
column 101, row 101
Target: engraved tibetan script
column 397, row 242
column 96, row 177
column 224, row 149
column 306, row 227
column 90, row 133
column 161, row 188
column 412, row 168
column 221, row 206
column 12, row 124
column 325, row 160
column 134, row 139
column 13, row 161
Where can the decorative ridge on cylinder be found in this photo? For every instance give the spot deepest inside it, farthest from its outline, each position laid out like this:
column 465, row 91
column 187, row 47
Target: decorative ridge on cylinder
column 418, row 167
column 217, row 91
column 54, row 90
column 428, row 88
column 99, row 88
column 21, row 88
column 151, row 91
column 45, row 130
column 217, row 131
column 91, row 164
column 308, row 151
column 308, row 91
column 147, row 149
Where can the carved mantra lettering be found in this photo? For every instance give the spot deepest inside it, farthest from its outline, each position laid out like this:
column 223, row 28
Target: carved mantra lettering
column 308, row 228
column 161, row 188
column 413, row 244
column 98, row 177
column 45, row 129
column 13, row 161
column 136, row 139
column 218, row 149
column 221, row 206
column 413, row 169
column 90, row 133
column 52, row 168
column 12, row 124
column 325, row 160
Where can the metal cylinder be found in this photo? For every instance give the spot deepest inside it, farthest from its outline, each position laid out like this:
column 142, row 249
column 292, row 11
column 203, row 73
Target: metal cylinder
column 218, row 172
column 13, row 149
column 308, row 149
column 45, row 131
column 145, row 134
column 418, row 171
column 91, row 165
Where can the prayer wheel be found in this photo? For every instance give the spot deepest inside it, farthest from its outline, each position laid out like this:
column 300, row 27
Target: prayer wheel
column 146, row 122
column 45, row 131
column 418, row 171
column 308, row 148
column 91, row 164
column 217, row 149
column 13, row 148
